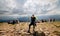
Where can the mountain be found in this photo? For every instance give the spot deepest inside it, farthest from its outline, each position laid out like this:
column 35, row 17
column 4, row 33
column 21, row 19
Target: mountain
column 27, row 18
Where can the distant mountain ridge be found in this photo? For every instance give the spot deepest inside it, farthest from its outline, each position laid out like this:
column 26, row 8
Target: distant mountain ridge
column 27, row 18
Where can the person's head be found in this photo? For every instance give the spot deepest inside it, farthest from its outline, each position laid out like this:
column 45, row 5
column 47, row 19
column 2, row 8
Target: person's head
column 33, row 15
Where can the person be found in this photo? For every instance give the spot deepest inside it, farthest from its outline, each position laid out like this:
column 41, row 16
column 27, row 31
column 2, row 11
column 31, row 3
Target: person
column 33, row 22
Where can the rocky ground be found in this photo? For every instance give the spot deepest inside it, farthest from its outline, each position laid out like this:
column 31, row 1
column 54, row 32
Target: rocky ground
column 42, row 29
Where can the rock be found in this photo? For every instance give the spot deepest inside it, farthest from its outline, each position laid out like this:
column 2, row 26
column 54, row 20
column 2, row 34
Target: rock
column 38, row 34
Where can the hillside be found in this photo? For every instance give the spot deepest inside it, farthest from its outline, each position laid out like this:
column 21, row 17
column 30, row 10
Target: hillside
column 49, row 28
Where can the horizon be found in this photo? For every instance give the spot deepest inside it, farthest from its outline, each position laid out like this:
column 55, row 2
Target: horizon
column 27, row 18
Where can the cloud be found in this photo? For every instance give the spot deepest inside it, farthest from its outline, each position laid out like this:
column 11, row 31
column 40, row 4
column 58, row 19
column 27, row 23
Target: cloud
column 11, row 6
column 40, row 6
column 28, row 7
column 6, row 6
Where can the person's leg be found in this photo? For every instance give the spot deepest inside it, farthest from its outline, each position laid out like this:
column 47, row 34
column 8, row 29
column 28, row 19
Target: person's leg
column 34, row 27
column 29, row 28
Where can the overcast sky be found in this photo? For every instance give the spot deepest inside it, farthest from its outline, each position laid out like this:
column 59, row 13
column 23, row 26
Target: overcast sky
column 28, row 7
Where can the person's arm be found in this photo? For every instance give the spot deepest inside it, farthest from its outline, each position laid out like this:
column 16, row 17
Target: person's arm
column 37, row 20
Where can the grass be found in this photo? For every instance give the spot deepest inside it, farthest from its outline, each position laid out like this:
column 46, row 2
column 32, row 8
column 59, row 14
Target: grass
column 57, row 33
column 57, row 26
column 53, row 27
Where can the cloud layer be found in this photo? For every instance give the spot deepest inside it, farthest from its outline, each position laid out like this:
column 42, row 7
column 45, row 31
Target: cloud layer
column 26, row 7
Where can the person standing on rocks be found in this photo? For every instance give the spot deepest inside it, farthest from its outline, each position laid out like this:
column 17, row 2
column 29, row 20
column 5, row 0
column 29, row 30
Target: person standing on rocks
column 33, row 22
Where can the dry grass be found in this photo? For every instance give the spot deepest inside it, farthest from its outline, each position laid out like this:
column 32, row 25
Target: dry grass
column 22, row 28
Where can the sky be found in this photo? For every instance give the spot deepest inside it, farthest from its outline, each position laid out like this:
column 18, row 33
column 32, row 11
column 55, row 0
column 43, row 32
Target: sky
column 29, row 7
